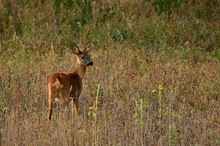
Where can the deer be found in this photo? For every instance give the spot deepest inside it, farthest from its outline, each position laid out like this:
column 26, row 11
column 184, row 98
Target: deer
column 68, row 86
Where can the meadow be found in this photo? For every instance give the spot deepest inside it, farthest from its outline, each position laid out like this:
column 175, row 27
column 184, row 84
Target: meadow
column 155, row 78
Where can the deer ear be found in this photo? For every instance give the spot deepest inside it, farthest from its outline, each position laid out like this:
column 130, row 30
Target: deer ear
column 75, row 49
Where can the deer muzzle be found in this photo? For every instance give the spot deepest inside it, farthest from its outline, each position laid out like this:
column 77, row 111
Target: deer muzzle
column 90, row 63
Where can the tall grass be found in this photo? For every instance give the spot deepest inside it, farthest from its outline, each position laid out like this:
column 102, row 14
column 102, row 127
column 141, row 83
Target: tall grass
column 155, row 79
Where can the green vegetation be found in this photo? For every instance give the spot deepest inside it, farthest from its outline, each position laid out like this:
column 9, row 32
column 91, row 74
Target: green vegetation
column 155, row 79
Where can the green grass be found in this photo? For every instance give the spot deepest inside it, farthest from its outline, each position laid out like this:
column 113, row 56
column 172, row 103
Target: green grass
column 155, row 79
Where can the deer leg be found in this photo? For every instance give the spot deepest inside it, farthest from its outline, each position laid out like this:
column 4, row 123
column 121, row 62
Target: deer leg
column 63, row 104
column 63, row 99
column 51, row 101
column 76, row 102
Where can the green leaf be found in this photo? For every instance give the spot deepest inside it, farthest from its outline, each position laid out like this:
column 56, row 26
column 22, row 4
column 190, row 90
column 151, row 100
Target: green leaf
column 135, row 115
column 141, row 100
column 141, row 124
column 83, row 131
column 143, row 112
column 89, row 113
column 217, row 141
column 145, row 106
column 166, row 113
column 94, row 114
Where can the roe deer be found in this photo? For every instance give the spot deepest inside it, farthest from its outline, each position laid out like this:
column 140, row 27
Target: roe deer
column 67, row 86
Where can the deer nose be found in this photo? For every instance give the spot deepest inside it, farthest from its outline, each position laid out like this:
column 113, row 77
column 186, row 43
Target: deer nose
column 90, row 63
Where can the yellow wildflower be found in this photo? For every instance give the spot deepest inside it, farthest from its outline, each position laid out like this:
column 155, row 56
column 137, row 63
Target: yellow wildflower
column 153, row 91
column 161, row 88
column 212, row 117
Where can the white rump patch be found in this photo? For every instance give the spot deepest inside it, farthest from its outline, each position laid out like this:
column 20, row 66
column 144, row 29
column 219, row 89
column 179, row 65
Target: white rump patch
column 57, row 84
column 56, row 100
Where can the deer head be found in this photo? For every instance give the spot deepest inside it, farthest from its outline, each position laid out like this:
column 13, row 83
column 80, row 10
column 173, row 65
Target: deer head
column 83, row 58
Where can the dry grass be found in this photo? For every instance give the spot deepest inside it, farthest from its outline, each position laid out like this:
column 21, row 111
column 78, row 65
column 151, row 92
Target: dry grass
column 189, row 101
column 155, row 79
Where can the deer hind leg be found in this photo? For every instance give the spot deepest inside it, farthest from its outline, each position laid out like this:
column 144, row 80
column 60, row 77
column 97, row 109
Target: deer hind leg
column 50, row 101
column 63, row 104
column 63, row 100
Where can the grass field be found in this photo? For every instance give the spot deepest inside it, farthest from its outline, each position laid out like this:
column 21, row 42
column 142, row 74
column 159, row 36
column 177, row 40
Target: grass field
column 155, row 78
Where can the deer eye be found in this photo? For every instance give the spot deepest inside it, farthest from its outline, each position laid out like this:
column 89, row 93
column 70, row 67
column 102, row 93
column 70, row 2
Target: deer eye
column 83, row 57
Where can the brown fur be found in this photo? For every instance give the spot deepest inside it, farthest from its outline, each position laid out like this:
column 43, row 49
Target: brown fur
column 67, row 86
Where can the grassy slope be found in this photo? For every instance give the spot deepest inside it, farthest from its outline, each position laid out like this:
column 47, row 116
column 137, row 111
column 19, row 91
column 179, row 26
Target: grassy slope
column 155, row 79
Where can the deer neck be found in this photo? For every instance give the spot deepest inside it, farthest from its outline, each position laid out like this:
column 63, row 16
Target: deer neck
column 80, row 70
